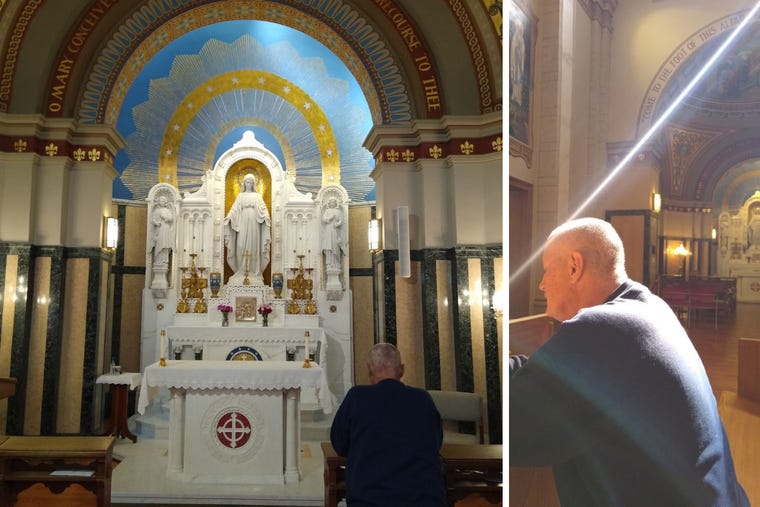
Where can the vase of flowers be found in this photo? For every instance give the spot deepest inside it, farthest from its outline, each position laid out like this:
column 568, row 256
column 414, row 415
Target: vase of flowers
column 225, row 309
column 264, row 311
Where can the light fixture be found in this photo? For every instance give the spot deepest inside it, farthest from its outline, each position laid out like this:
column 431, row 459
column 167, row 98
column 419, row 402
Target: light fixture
column 656, row 202
column 111, row 232
column 714, row 233
column 373, row 235
column 404, row 248
column 681, row 251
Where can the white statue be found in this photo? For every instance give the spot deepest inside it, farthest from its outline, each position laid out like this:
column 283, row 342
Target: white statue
column 161, row 240
column 333, row 245
column 247, row 231
column 753, row 232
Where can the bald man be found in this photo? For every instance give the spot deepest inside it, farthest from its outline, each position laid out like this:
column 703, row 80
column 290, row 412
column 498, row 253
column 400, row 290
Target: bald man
column 617, row 401
column 391, row 434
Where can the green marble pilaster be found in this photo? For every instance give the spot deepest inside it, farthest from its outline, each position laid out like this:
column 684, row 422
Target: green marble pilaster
column 53, row 339
column 21, row 331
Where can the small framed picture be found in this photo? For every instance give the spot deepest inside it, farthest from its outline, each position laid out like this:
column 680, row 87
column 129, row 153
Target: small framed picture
column 245, row 309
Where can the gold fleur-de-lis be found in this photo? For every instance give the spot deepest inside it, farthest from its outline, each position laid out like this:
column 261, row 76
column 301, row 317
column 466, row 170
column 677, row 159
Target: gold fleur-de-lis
column 19, row 145
column 51, row 150
column 408, row 155
column 79, row 154
column 497, row 144
column 435, row 151
column 93, row 155
column 391, row 155
column 467, row 148
column 380, row 156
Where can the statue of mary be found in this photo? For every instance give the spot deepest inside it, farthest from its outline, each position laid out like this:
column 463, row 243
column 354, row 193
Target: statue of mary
column 247, row 233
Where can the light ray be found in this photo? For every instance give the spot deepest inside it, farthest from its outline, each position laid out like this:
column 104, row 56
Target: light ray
column 652, row 130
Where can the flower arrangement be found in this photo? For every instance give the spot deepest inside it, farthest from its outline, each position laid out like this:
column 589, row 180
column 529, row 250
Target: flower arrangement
column 224, row 308
column 265, row 309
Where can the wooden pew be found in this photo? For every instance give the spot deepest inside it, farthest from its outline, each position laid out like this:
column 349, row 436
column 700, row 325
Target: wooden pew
column 530, row 486
column 335, row 475
column 57, row 462
column 472, row 469
column 468, row 469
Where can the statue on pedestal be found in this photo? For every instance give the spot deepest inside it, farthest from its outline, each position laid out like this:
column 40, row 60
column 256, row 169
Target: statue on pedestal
column 161, row 241
column 753, row 229
column 247, row 229
column 333, row 245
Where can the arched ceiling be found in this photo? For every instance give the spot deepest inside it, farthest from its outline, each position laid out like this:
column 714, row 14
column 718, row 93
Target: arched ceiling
column 710, row 146
column 181, row 79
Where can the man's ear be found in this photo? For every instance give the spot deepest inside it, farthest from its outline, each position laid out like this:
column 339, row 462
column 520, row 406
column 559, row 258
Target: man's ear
column 576, row 266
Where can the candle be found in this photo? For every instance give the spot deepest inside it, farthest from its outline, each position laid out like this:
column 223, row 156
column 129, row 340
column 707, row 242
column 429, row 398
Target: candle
column 306, row 348
column 164, row 344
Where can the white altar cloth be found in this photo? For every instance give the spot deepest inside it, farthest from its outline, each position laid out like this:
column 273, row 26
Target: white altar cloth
column 234, row 421
column 261, row 375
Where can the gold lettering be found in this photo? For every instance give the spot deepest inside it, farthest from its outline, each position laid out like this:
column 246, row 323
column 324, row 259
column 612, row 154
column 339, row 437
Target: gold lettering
column 59, row 90
column 431, row 93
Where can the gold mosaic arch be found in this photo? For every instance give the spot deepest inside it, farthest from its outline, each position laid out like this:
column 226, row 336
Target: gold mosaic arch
column 223, row 83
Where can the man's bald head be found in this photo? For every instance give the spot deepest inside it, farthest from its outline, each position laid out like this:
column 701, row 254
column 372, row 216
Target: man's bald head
column 583, row 263
column 597, row 241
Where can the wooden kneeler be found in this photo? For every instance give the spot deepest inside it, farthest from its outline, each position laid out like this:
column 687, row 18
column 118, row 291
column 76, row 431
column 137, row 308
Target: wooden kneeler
column 57, row 462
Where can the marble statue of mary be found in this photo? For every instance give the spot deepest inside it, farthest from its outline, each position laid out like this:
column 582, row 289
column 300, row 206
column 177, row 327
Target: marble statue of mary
column 247, row 229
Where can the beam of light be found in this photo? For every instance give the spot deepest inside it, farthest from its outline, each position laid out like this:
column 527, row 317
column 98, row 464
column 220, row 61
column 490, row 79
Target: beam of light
column 652, row 130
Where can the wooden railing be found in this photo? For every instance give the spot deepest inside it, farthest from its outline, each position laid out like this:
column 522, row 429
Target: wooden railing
column 526, row 334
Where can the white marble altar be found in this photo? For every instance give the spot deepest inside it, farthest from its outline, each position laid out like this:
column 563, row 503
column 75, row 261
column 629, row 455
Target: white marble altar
column 739, row 248
column 234, row 422
column 271, row 343
column 190, row 276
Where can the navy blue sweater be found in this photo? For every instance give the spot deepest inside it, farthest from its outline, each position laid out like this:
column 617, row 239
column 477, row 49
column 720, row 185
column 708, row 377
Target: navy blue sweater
column 391, row 435
column 619, row 404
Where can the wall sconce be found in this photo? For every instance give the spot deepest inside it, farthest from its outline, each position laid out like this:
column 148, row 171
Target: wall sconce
column 714, row 233
column 656, row 202
column 373, row 235
column 110, row 232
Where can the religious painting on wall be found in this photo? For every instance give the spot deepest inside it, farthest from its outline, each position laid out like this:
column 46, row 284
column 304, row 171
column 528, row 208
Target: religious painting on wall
column 522, row 28
column 245, row 309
